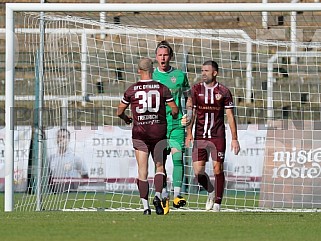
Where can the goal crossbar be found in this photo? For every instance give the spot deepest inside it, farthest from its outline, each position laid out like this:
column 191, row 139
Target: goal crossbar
column 161, row 7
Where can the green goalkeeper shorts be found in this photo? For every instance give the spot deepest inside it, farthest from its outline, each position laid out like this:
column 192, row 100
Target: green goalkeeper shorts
column 176, row 138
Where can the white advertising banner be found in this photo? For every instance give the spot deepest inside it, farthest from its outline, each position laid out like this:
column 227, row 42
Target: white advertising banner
column 109, row 158
column 21, row 155
column 107, row 154
column 244, row 171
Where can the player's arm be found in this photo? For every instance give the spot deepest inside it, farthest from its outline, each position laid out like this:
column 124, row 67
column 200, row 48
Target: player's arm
column 189, row 110
column 188, row 101
column 235, row 146
column 187, row 92
column 121, row 113
column 170, row 101
column 186, row 118
column 189, row 134
column 174, row 108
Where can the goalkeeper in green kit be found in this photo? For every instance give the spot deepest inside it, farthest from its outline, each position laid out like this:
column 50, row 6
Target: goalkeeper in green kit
column 176, row 80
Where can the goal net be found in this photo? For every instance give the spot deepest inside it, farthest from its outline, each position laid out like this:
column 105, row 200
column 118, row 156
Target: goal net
column 68, row 66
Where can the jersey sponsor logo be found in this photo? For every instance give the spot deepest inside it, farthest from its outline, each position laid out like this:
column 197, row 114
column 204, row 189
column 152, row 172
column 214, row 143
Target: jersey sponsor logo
column 173, row 79
column 209, row 108
column 218, row 96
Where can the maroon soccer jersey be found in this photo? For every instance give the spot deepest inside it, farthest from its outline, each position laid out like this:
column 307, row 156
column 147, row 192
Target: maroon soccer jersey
column 210, row 103
column 148, row 100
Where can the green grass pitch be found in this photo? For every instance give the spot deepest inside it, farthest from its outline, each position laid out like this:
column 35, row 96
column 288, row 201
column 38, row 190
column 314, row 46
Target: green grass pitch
column 182, row 226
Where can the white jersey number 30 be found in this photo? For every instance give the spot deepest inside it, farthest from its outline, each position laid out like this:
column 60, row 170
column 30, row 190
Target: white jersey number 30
column 146, row 100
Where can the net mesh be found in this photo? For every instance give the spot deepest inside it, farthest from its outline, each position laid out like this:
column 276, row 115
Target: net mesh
column 88, row 64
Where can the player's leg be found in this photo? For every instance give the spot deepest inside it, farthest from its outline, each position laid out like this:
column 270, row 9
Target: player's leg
column 204, row 180
column 159, row 156
column 164, row 189
column 167, row 152
column 200, row 156
column 165, row 196
column 142, row 182
column 178, row 175
column 158, row 182
column 218, row 157
column 142, row 153
column 176, row 142
column 219, row 184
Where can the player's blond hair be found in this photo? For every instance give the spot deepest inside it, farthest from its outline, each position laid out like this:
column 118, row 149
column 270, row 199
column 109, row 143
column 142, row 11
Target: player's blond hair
column 164, row 44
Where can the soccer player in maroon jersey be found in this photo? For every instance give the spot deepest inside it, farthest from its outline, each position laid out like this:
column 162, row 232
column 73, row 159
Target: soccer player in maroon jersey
column 148, row 100
column 210, row 100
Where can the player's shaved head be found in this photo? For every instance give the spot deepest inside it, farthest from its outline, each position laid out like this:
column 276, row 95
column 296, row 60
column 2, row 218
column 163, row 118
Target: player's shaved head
column 146, row 64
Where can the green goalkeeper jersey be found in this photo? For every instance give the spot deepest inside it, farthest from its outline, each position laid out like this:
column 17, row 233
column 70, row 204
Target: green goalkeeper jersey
column 176, row 80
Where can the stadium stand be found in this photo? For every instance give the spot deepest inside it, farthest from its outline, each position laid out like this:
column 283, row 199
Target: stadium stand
column 278, row 30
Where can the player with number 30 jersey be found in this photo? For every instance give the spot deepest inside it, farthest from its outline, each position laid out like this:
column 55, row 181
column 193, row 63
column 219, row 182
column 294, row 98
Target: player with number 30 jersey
column 147, row 99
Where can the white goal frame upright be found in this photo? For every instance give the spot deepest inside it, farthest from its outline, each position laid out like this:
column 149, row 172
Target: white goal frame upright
column 11, row 8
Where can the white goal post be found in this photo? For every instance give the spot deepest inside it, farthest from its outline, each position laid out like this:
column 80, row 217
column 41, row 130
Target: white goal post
column 67, row 69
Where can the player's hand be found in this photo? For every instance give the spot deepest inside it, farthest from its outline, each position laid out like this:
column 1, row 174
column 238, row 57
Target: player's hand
column 235, row 147
column 189, row 140
column 128, row 120
column 185, row 121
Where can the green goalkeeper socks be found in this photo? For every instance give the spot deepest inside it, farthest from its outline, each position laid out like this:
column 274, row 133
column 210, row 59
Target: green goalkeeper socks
column 178, row 170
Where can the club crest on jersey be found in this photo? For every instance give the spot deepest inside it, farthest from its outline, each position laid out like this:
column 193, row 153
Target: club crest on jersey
column 218, row 96
column 173, row 79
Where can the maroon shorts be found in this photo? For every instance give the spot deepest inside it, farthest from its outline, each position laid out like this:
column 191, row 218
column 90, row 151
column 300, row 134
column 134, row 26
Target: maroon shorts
column 203, row 148
column 157, row 148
